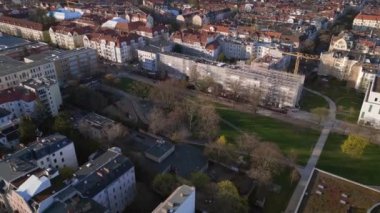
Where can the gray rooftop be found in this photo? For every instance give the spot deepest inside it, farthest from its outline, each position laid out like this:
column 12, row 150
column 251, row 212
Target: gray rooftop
column 14, row 168
column 9, row 65
column 38, row 83
column 52, row 55
column 8, row 42
column 95, row 175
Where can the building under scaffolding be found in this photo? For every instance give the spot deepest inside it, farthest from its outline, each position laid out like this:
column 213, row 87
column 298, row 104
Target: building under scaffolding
column 278, row 89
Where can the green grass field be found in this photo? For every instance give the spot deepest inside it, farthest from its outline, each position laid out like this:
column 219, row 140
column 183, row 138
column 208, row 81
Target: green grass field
column 348, row 101
column 310, row 101
column 287, row 136
column 364, row 170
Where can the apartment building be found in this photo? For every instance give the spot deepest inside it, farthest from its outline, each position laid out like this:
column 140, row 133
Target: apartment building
column 112, row 46
column 68, row 35
column 237, row 49
column 201, row 44
column 366, row 22
column 18, row 101
column 101, row 128
column 22, row 28
column 345, row 58
column 109, row 179
column 278, row 89
column 47, row 91
column 182, row 200
column 13, row 72
column 370, row 111
column 70, row 65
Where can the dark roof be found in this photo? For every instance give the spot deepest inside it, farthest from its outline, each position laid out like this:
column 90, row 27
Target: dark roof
column 43, row 147
column 4, row 112
column 16, row 94
column 100, row 172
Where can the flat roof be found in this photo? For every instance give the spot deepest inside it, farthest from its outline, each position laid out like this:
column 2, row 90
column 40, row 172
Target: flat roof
column 9, row 65
column 175, row 199
column 327, row 192
column 160, row 149
column 8, row 42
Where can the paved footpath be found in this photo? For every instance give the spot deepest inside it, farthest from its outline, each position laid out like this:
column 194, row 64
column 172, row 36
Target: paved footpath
column 307, row 171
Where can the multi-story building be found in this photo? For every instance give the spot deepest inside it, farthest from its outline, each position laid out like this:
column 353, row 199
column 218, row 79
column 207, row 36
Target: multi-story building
column 370, row 111
column 279, row 89
column 109, row 179
column 366, row 22
column 237, row 49
column 113, row 47
column 47, row 91
column 101, row 128
column 182, row 200
column 345, row 58
column 18, row 101
column 22, row 28
column 13, row 72
column 70, row 65
column 201, row 44
column 68, row 35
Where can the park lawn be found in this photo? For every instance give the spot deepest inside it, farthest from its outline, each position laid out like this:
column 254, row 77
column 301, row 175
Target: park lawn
column 310, row 101
column 277, row 202
column 364, row 170
column 348, row 101
column 126, row 84
column 287, row 136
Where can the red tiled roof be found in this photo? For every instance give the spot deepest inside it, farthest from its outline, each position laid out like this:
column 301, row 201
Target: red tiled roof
column 21, row 23
column 16, row 94
column 368, row 17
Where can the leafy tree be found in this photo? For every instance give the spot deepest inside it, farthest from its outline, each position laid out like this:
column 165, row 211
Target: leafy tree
column 354, row 145
column 62, row 124
column 42, row 16
column 320, row 112
column 66, row 173
column 27, row 130
column 228, row 199
column 199, row 179
column 165, row 183
column 177, row 48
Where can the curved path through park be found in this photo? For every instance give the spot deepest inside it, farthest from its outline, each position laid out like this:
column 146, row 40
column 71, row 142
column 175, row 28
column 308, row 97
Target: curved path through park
column 295, row 200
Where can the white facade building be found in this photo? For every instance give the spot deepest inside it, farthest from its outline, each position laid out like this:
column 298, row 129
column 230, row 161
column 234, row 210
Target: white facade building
column 114, row 48
column 108, row 179
column 238, row 49
column 148, row 59
column 366, row 22
column 182, row 200
column 22, row 28
column 370, row 111
column 47, row 91
column 13, row 72
column 70, row 65
column 18, row 101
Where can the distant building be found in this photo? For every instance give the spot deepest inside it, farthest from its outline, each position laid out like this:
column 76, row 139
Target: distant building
column 68, row 35
column 366, row 22
column 182, row 200
column 17, row 48
column 370, row 111
column 62, row 14
column 47, row 91
column 13, row 72
column 22, row 28
column 112, row 46
column 101, row 128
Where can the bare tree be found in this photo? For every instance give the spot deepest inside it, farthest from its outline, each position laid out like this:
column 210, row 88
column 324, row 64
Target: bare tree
column 191, row 110
column 235, row 86
column 156, row 120
column 208, row 122
column 253, row 99
column 168, row 93
column 194, row 75
column 266, row 162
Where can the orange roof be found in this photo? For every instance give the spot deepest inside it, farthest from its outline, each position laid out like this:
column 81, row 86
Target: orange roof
column 368, row 17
